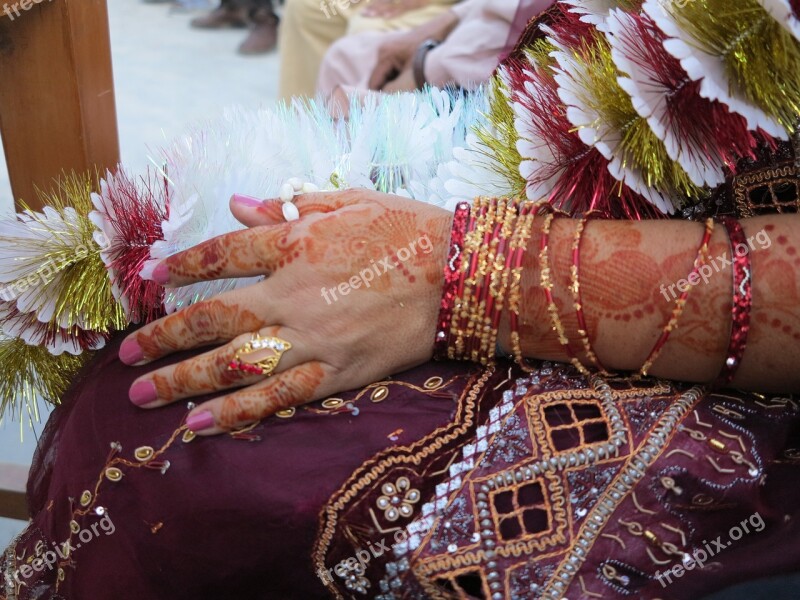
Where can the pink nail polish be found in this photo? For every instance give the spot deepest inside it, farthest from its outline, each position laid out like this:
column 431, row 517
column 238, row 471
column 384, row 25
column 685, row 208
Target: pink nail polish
column 161, row 274
column 200, row 421
column 130, row 352
column 143, row 392
column 247, row 200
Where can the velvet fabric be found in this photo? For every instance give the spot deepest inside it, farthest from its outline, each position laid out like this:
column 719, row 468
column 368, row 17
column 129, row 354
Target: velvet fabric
column 230, row 517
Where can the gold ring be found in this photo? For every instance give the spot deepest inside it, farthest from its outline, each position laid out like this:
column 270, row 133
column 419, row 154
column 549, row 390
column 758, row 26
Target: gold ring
column 259, row 356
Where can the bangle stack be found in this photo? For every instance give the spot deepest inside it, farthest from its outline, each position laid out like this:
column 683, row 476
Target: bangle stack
column 483, row 278
column 483, row 273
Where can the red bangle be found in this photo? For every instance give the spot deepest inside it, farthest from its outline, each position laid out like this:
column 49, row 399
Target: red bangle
column 468, row 269
column 742, row 301
column 452, row 275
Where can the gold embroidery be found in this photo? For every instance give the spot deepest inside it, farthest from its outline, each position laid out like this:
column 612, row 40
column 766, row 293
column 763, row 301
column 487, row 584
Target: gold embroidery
column 413, row 454
column 775, row 189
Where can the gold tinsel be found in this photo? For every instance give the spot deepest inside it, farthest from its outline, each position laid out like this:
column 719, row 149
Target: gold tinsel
column 538, row 53
column 31, row 373
column 761, row 57
column 640, row 148
column 499, row 140
column 83, row 296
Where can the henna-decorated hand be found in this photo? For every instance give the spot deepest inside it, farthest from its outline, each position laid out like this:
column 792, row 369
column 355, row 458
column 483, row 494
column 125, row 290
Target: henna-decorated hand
column 354, row 285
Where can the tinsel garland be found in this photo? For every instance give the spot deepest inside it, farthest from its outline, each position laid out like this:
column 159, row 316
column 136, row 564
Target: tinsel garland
column 127, row 217
column 736, row 33
column 50, row 266
column 703, row 136
column 57, row 301
column 499, row 141
column 556, row 164
column 740, row 53
column 785, row 12
column 595, row 12
column 605, row 117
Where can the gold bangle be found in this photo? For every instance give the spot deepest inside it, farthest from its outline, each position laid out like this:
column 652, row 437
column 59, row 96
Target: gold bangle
column 680, row 303
column 552, row 309
column 519, row 245
column 577, row 302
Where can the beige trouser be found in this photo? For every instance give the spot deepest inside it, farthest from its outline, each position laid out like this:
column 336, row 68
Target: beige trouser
column 306, row 33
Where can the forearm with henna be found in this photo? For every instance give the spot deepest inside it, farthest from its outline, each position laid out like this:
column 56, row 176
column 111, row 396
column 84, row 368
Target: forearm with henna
column 627, row 269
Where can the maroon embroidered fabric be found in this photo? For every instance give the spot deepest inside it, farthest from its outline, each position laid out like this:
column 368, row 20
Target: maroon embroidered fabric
column 546, row 486
column 228, row 517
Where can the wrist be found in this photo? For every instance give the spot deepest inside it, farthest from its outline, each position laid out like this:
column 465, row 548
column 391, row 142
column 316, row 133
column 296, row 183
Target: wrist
column 483, row 288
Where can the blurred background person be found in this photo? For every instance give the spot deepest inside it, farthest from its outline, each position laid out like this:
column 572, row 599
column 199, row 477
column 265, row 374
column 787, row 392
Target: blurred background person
column 309, row 27
column 461, row 47
column 258, row 15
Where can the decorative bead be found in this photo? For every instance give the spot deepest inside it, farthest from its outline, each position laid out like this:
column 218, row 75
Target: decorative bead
column 295, row 183
column 286, row 192
column 379, row 394
column 143, row 453
column 332, row 403
column 290, row 211
column 113, row 474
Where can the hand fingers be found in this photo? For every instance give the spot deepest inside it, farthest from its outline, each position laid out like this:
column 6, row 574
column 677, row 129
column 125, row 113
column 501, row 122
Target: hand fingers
column 250, row 252
column 211, row 371
column 299, row 385
column 211, row 322
column 244, row 253
column 381, row 73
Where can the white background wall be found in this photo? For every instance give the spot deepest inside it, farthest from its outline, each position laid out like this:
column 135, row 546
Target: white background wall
column 167, row 77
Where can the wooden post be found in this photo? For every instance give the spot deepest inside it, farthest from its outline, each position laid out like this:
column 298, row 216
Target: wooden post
column 57, row 109
column 12, row 491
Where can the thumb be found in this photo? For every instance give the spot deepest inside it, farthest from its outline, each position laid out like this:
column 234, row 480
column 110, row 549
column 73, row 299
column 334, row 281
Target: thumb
column 380, row 74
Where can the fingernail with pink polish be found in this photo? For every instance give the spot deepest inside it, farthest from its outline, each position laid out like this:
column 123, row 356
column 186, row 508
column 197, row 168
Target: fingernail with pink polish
column 200, row 421
column 161, row 274
column 130, row 352
column 147, row 269
column 247, row 200
column 142, row 393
